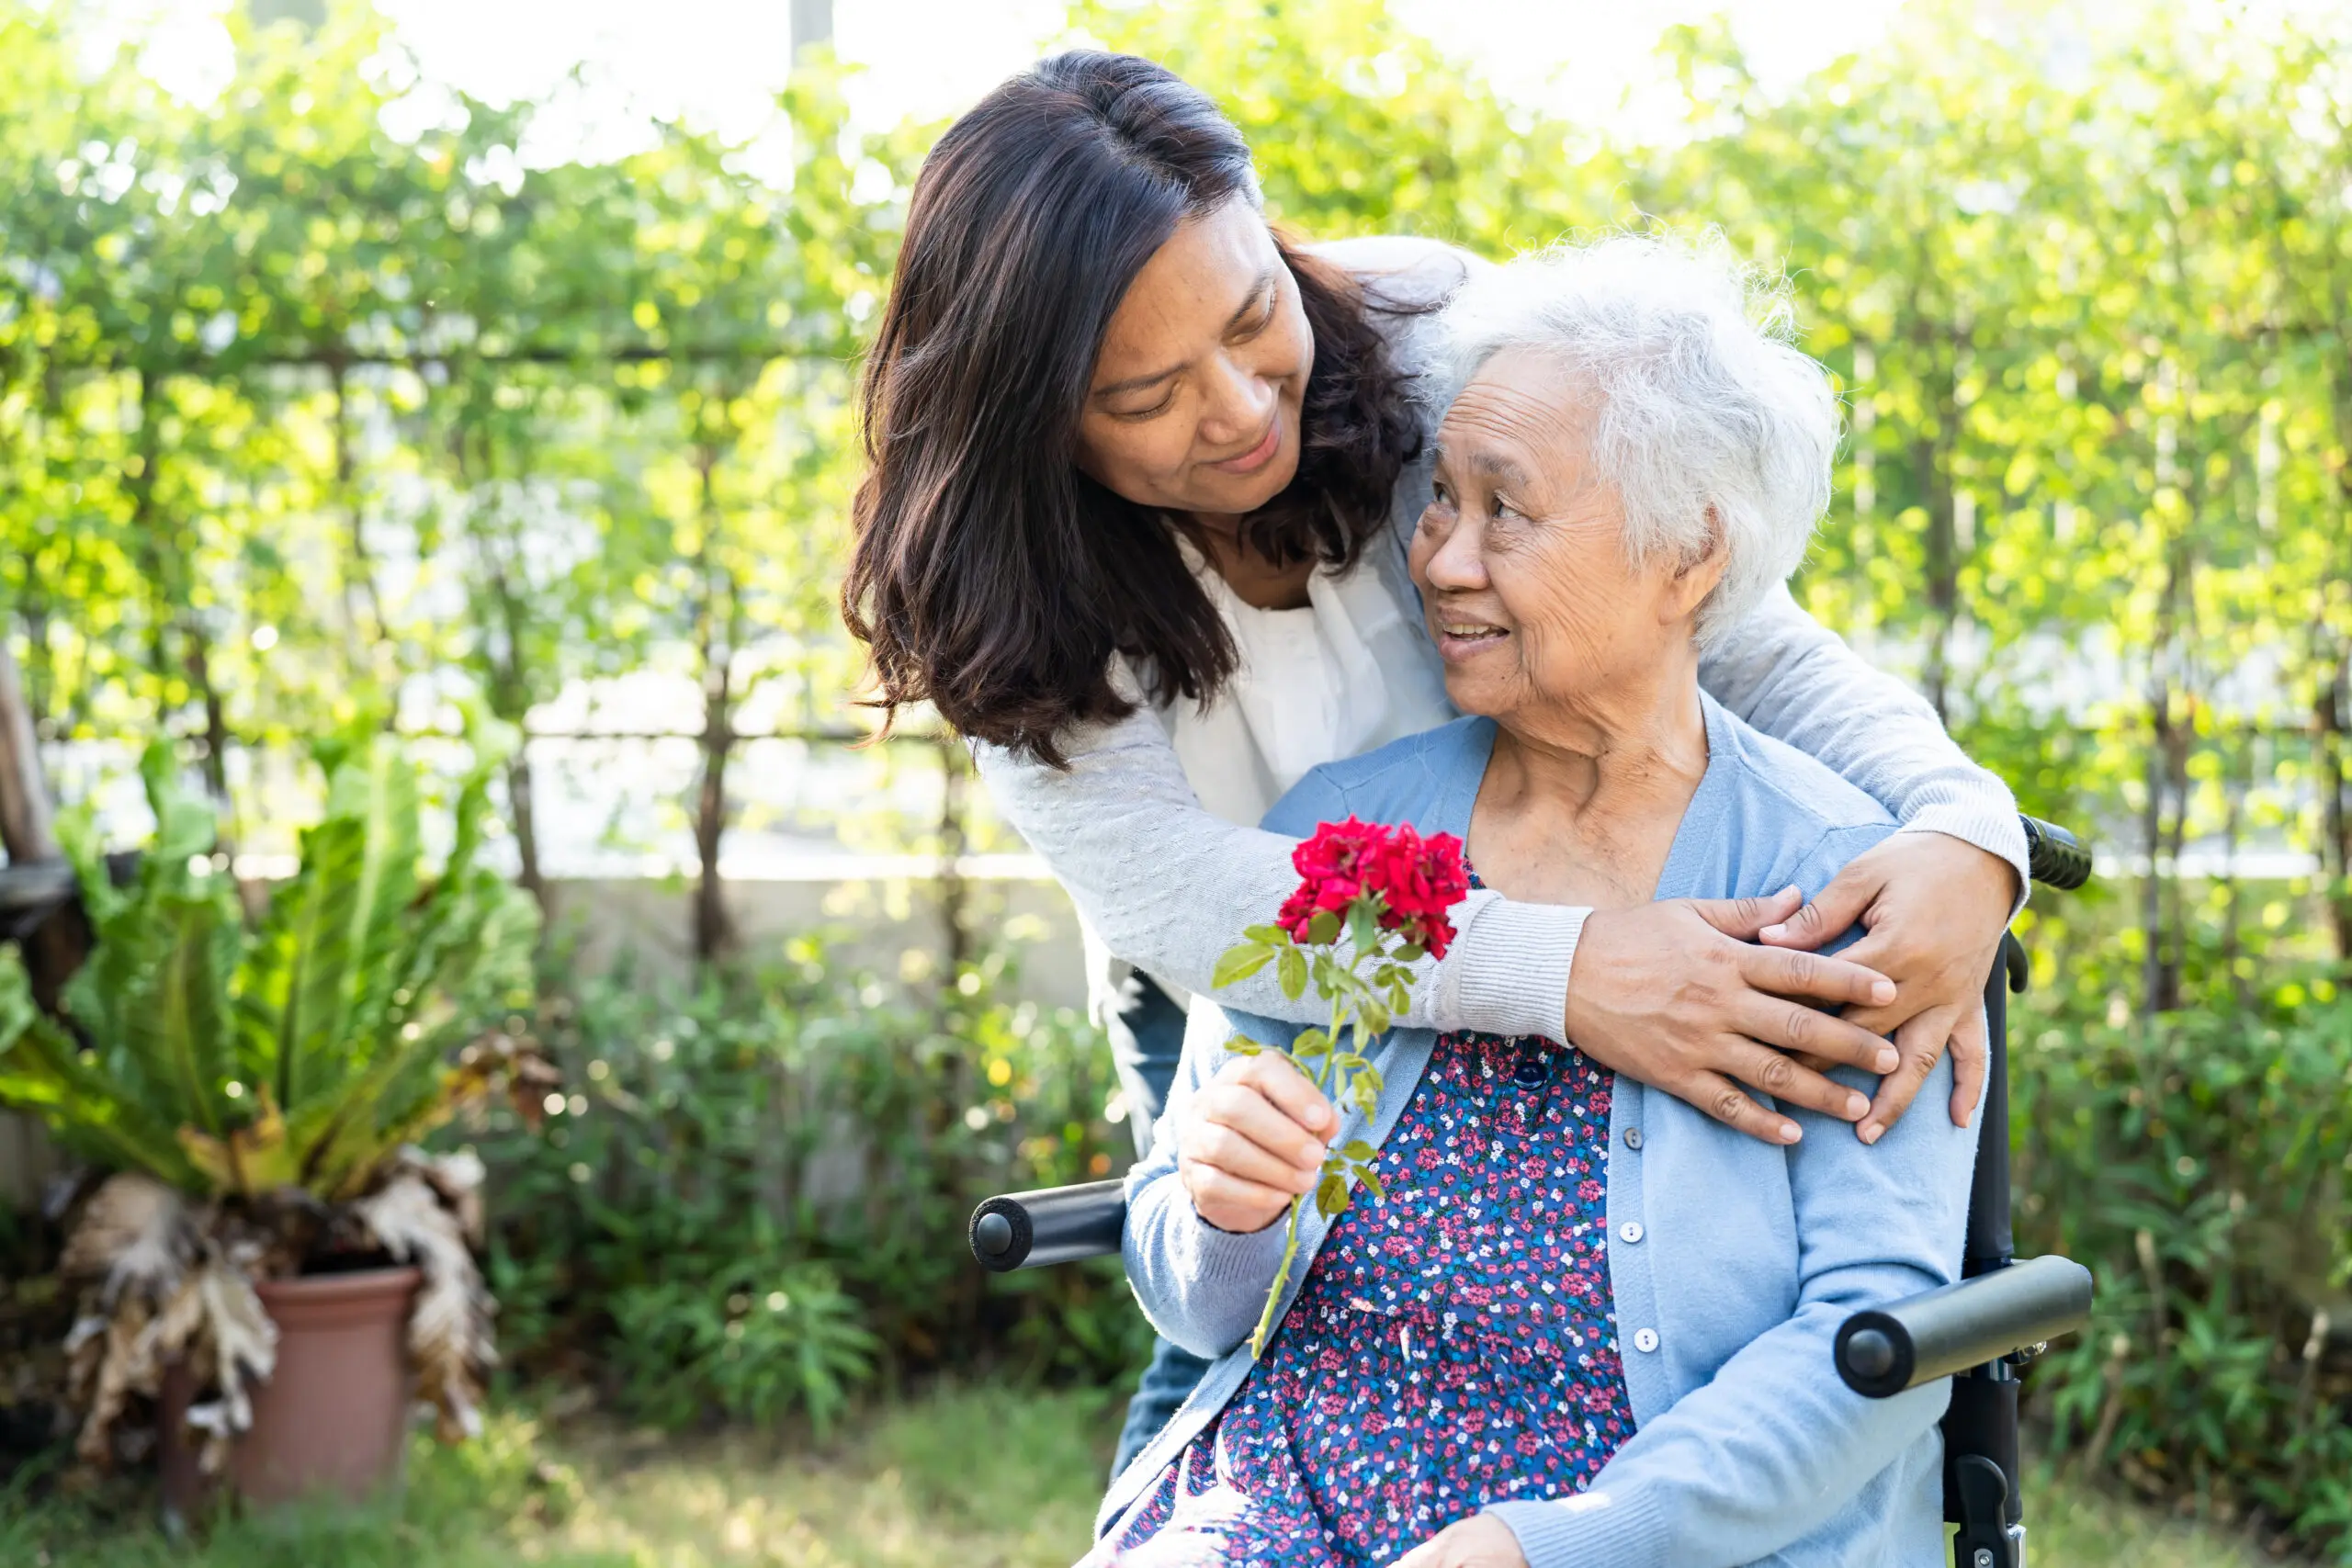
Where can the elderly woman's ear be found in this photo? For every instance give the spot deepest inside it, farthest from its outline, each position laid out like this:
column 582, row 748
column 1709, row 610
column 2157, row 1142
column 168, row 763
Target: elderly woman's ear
column 1696, row 576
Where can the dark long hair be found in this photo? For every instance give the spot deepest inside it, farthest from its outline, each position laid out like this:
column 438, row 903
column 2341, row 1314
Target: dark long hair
column 989, row 576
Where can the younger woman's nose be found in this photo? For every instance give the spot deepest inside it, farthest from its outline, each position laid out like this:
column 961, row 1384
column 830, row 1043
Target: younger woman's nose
column 1237, row 404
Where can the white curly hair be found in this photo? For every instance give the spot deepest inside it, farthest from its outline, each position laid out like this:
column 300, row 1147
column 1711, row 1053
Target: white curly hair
column 1703, row 414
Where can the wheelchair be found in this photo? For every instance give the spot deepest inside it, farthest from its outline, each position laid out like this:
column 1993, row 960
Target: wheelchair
column 1980, row 1332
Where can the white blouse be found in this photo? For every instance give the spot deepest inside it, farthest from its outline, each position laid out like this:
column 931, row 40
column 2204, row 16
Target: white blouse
column 1346, row 674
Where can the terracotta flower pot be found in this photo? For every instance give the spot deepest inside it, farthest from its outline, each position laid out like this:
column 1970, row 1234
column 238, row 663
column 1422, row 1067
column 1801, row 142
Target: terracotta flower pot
column 333, row 1417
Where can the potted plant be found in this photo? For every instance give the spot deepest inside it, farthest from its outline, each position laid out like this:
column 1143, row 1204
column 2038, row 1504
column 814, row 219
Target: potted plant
column 270, row 1262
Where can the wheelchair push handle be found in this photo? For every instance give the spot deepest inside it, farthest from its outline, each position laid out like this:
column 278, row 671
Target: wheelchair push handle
column 1057, row 1225
column 1884, row 1351
column 2054, row 857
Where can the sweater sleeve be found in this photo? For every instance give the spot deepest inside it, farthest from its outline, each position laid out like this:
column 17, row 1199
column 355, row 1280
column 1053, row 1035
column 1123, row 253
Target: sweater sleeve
column 1168, row 887
column 1772, row 1446
column 1796, row 680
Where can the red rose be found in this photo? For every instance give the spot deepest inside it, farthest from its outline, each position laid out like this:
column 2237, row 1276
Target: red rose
column 1415, row 880
column 1419, row 880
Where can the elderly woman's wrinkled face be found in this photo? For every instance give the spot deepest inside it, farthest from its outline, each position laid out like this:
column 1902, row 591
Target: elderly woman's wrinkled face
column 1521, row 555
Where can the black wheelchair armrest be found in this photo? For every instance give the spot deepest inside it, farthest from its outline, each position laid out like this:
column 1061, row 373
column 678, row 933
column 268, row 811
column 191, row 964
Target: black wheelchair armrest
column 1938, row 1333
column 1053, row 1225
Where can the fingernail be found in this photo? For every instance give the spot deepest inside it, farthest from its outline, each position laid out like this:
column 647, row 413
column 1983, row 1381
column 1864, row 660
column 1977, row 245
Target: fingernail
column 1775, row 929
column 1784, row 892
column 1856, row 1108
column 1871, row 1133
column 1888, row 1059
column 1882, row 992
column 1788, row 1132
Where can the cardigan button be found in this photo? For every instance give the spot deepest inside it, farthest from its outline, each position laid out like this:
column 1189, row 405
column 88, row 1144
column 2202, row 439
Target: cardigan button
column 1632, row 1137
column 1645, row 1340
column 1631, row 1231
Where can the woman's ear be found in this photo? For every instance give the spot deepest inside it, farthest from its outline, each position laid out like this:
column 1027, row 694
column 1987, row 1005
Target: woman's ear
column 1699, row 571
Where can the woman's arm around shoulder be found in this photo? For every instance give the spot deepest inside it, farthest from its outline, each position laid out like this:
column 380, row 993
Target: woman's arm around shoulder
column 1796, row 680
column 1168, row 887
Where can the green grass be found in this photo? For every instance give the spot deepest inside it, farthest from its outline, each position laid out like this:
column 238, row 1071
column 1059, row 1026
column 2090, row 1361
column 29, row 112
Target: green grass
column 964, row 1478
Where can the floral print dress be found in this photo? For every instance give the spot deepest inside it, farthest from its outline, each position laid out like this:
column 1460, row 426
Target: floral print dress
column 1453, row 1346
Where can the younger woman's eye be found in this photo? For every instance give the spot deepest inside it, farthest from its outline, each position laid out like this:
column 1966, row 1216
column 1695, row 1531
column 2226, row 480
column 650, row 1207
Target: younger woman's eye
column 1156, row 410
column 1265, row 317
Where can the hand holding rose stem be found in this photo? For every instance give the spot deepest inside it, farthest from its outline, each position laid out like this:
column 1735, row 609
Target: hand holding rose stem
column 1388, row 891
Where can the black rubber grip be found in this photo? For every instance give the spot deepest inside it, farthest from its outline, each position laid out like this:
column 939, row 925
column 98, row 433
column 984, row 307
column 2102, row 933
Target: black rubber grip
column 1053, row 1225
column 1882, row 1352
column 2055, row 857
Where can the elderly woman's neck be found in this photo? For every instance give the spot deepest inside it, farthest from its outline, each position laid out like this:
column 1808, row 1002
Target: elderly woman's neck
column 1581, row 801
column 1578, row 754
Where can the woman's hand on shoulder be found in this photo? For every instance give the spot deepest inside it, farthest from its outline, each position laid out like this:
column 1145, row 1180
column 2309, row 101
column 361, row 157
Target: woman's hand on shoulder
column 1676, row 995
column 1481, row 1540
column 1934, row 908
column 1252, row 1141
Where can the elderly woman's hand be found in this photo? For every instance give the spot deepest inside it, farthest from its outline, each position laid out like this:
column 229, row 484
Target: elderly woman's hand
column 1252, row 1141
column 1677, row 994
column 1481, row 1540
column 1934, row 908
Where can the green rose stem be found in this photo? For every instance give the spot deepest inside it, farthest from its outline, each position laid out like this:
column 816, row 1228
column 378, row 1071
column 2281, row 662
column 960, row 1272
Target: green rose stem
column 1362, row 1005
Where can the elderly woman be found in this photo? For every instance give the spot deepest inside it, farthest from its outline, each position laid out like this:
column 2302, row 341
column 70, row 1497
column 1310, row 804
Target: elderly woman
column 1588, row 1326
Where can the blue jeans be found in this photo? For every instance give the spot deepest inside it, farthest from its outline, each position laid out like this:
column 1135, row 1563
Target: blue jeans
column 1147, row 1039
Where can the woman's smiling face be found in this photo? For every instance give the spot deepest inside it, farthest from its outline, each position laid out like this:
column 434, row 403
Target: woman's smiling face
column 1196, row 393
column 1521, row 554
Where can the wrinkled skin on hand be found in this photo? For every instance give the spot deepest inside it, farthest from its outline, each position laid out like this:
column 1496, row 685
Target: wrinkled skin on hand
column 1680, row 994
column 1933, row 908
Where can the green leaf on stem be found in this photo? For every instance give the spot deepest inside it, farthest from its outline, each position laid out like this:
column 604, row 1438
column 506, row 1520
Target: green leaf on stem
column 1324, row 929
column 1371, row 1178
column 1357, row 1150
column 1293, row 972
column 1240, row 962
column 1269, row 936
column 1411, row 952
column 1331, row 1194
column 1241, row 1045
column 1363, row 924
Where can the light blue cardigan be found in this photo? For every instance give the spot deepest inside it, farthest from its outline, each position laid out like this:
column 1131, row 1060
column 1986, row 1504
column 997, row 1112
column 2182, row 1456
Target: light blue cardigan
column 1731, row 1261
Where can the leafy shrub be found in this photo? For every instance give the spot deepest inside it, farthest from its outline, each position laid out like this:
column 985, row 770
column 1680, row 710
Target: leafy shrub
column 678, row 1343
column 2202, row 1166
column 793, row 1134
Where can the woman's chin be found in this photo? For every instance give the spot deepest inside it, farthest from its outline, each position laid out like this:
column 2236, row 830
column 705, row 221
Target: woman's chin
column 1473, row 692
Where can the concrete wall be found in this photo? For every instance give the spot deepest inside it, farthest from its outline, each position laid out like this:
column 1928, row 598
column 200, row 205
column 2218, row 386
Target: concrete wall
column 890, row 927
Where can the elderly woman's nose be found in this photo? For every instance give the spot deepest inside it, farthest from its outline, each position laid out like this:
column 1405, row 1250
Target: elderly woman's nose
column 1459, row 561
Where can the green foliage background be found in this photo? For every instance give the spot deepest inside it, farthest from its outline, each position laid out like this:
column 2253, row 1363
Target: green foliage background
column 301, row 421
